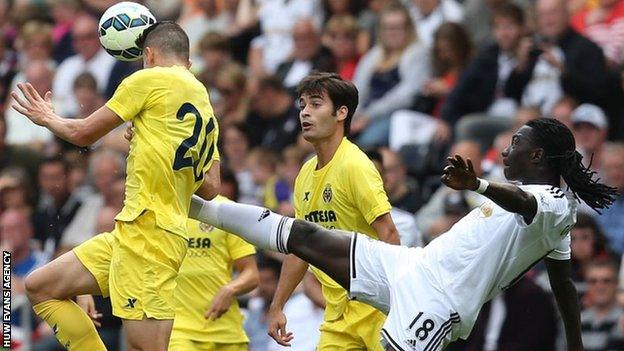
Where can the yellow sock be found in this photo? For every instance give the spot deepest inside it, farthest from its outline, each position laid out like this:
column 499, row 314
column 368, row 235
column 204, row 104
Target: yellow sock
column 72, row 327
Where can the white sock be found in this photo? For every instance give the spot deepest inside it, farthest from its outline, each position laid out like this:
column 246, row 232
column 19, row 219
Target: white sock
column 257, row 225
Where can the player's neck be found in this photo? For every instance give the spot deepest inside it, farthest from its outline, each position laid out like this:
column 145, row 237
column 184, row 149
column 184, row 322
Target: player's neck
column 540, row 179
column 326, row 148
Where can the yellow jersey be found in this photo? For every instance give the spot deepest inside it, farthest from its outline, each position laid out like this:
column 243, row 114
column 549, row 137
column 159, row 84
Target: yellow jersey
column 347, row 194
column 174, row 143
column 206, row 268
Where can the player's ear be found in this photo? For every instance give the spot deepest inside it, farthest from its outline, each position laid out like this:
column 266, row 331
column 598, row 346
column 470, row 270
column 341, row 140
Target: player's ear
column 342, row 112
column 148, row 56
column 537, row 155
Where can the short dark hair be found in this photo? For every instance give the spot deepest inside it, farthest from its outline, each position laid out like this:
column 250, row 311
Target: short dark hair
column 267, row 262
column 55, row 159
column 604, row 263
column 341, row 92
column 85, row 80
column 214, row 41
column 272, row 82
column 168, row 37
column 510, row 11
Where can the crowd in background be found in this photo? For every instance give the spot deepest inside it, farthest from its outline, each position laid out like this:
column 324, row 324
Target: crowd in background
column 435, row 77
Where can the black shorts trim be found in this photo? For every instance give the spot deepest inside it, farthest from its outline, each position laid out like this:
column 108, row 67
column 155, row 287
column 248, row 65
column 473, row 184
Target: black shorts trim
column 444, row 330
column 390, row 340
column 353, row 243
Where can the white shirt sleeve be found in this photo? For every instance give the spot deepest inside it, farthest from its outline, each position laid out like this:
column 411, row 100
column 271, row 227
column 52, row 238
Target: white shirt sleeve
column 563, row 251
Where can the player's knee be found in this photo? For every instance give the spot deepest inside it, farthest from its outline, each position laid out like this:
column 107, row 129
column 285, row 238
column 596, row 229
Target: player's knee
column 35, row 286
column 303, row 232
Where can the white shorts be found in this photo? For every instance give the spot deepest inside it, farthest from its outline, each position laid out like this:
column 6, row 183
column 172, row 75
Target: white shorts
column 393, row 279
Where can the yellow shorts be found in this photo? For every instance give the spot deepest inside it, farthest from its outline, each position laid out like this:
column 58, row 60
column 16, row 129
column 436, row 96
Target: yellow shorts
column 359, row 328
column 181, row 344
column 136, row 265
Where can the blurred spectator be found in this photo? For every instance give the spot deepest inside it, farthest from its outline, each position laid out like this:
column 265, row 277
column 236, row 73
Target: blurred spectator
column 522, row 318
column 402, row 191
column 478, row 15
column 209, row 19
column 429, row 15
column 87, row 96
column 233, row 102
column 308, row 55
column 274, row 120
column 235, row 151
column 106, row 168
column 21, row 131
column 451, row 52
column 229, row 185
column 600, row 327
column 404, row 221
column 57, row 206
column 455, row 206
column 342, row 32
column 578, row 63
column 15, row 190
column 304, row 318
column 604, row 25
column 389, row 76
column 355, row 9
column 562, row 111
column 273, row 46
column 588, row 244
column 8, row 67
column 64, row 12
column 255, row 324
column 34, row 43
column 16, row 231
column 214, row 51
column 291, row 160
column 590, row 128
column 434, row 209
column 17, row 156
column 90, row 57
column 612, row 221
column 487, row 86
column 262, row 164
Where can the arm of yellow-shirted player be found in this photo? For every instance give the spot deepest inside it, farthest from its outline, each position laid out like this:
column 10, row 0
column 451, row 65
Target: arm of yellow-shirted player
column 386, row 230
column 313, row 290
column 80, row 132
column 246, row 281
column 212, row 182
column 293, row 270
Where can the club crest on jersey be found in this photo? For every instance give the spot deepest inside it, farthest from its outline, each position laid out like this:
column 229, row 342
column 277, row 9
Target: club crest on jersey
column 205, row 227
column 486, row 210
column 327, row 193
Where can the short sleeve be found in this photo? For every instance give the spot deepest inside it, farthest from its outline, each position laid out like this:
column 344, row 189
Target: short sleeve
column 553, row 210
column 238, row 248
column 131, row 95
column 367, row 190
column 562, row 252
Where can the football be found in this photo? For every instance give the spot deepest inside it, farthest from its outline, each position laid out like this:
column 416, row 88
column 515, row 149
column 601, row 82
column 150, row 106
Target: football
column 120, row 26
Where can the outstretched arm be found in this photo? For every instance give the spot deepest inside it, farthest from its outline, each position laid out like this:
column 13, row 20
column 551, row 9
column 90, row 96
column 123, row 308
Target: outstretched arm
column 80, row 132
column 559, row 274
column 460, row 175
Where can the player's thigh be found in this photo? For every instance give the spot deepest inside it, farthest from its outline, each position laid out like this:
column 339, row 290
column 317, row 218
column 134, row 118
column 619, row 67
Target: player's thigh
column 148, row 333
column 144, row 266
column 73, row 273
column 374, row 267
column 421, row 316
column 326, row 249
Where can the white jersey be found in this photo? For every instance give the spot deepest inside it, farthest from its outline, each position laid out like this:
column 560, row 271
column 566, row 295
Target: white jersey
column 490, row 248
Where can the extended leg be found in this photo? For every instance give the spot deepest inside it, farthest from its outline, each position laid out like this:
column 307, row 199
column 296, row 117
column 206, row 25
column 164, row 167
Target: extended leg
column 325, row 249
column 50, row 288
